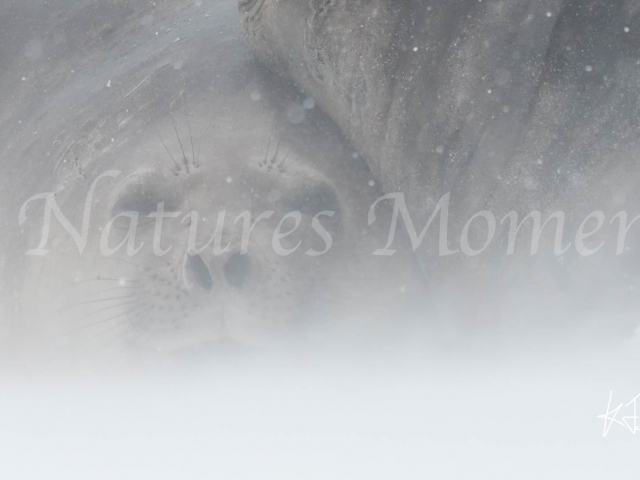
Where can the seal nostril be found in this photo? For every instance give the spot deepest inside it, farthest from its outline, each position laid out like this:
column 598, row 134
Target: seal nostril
column 237, row 270
column 200, row 271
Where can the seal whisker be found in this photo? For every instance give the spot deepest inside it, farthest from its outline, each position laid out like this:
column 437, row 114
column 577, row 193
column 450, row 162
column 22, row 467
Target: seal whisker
column 275, row 155
column 100, row 292
column 175, row 172
column 190, row 206
column 184, row 155
column 266, row 155
column 111, row 329
column 146, row 271
column 105, row 320
column 127, row 262
column 118, row 325
column 285, row 168
column 144, row 339
column 137, row 175
column 193, row 152
column 111, row 307
column 117, row 337
column 98, row 279
column 89, row 302
column 284, row 159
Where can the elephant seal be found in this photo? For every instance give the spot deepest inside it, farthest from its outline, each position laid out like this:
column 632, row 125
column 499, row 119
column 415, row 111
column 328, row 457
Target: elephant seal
column 508, row 106
column 119, row 111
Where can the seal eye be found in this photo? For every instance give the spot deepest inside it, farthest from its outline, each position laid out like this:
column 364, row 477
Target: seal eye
column 142, row 201
column 143, row 194
column 313, row 200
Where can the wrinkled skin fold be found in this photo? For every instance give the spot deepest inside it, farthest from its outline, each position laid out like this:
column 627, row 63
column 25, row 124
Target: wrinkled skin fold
column 509, row 105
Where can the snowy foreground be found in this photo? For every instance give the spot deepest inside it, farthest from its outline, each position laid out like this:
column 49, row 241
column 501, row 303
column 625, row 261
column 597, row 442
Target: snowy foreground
column 489, row 415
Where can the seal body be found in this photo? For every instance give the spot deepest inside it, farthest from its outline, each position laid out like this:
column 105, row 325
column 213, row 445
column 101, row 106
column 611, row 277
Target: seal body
column 507, row 106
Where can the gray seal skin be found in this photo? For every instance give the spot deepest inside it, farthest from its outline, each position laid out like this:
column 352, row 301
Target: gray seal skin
column 509, row 105
column 169, row 96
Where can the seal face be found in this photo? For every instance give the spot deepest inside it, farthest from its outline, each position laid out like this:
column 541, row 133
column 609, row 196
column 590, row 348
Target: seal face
column 206, row 287
column 223, row 207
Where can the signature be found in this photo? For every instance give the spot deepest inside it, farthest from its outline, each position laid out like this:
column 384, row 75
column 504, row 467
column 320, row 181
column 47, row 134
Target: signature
column 611, row 416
